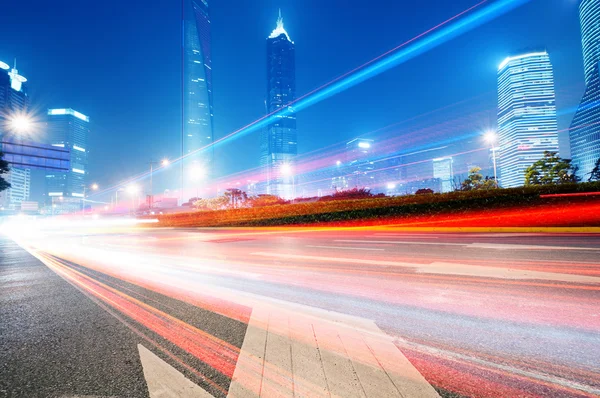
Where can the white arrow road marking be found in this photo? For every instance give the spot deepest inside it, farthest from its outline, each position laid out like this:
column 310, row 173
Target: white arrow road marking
column 164, row 381
column 288, row 352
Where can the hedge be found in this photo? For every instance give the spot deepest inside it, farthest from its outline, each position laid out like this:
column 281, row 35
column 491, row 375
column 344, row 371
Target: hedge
column 371, row 208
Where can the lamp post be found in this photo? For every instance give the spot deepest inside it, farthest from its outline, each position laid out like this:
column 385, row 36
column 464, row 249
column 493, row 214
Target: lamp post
column 132, row 190
column 197, row 173
column 288, row 171
column 162, row 163
column 93, row 187
column 491, row 139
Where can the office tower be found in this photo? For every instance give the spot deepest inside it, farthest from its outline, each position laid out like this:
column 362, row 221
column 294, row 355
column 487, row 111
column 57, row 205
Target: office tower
column 442, row 170
column 358, row 163
column 526, row 115
column 584, row 133
column 197, row 89
column 278, row 142
column 14, row 100
column 20, row 183
column 69, row 129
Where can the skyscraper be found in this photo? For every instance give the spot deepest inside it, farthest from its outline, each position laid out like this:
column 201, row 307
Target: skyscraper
column 197, row 85
column 279, row 139
column 14, row 100
column 442, row 170
column 20, row 182
column 526, row 115
column 584, row 133
column 69, row 129
column 358, row 162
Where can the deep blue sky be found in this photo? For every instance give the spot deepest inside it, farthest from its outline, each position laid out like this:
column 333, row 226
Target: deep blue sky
column 120, row 64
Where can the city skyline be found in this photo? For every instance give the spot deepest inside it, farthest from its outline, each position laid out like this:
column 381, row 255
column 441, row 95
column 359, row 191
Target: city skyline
column 231, row 151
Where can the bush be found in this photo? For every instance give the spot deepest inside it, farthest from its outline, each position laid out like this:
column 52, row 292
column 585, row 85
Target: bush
column 373, row 207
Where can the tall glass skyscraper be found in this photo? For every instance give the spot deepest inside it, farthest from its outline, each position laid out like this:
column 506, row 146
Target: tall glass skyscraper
column 526, row 115
column 197, row 85
column 279, row 140
column 69, row 129
column 584, row 133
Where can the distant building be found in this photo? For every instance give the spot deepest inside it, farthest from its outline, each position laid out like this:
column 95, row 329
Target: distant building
column 14, row 102
column 20, row 181
column 68, row 129
column 13, row 94
column 527, row 123
column 442, row 170
column 358, row 164
column 584, row 133
column 278, row 144
column 198, row 95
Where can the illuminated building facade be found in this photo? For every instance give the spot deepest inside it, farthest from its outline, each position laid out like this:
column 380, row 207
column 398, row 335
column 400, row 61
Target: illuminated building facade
column 443, row 171
column 584, row 133
column 197, row 81
column 358, row 163
column 68, row 129
column 527, row 123
column 14, row 102
column 278, row 144
column 20, row 181
column 13, row 94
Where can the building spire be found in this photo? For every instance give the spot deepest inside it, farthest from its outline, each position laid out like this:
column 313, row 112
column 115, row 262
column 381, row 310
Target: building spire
column 279, row 29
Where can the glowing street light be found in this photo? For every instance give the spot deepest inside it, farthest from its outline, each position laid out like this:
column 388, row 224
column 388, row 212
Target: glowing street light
column 21, row 124
column 491, row 138
column 163, row 163
column 338, row 163
column 94, row 187
column 288, row 171
column 132, row 189
column 197, row 173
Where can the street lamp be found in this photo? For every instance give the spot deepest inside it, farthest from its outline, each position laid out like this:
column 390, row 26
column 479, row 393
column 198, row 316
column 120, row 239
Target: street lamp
column 491, row 138
column 93, row 187
column 197, row 173
column 21, row 124
column 288, row 171
column 132, row 190
column 163, row 163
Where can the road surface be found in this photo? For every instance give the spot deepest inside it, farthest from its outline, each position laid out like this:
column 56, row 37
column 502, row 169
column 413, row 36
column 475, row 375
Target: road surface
column 120, row 311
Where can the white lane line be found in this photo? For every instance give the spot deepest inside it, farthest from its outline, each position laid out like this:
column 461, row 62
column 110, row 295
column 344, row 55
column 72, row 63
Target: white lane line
column 345, row 247
column 401, row 242
column 492, row 365
column 502, row 246
column 164, row 380
column 495, row 246
column 334, row 259
column 448, row 268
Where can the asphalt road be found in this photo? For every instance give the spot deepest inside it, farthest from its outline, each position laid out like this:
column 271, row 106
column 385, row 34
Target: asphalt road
column 490, row 315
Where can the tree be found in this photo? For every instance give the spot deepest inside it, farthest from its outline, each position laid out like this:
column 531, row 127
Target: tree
column 551, row 169
column 476, row 181
column 595, row 174
column 4, row 168
column 218, row 203
column 237, row 197
column 265, row 200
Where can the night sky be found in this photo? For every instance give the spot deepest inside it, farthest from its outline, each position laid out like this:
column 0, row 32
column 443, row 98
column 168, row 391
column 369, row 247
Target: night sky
column 121, row 65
